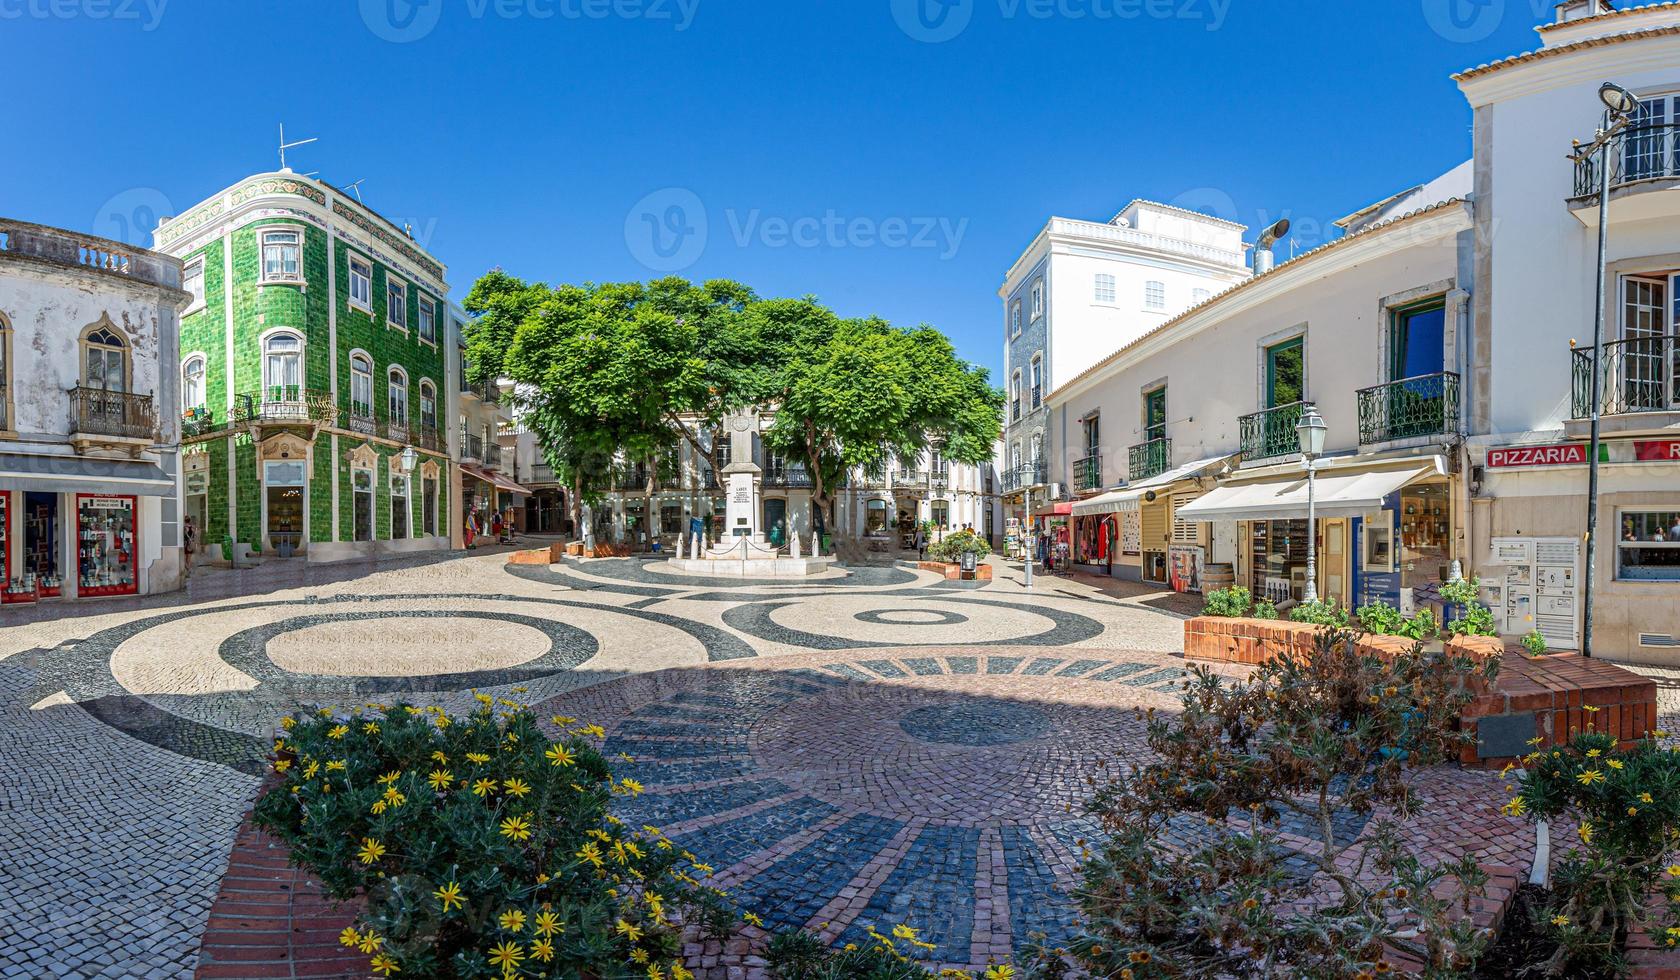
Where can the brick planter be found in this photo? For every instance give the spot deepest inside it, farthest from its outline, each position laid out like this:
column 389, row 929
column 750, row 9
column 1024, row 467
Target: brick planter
column 1546, row 697
column 952, row 571
column 538, row 556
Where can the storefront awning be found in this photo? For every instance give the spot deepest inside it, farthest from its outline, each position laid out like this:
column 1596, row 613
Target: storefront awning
column 83, row 474
column 1285, row 497
column 1129, row 497
column 494, row 479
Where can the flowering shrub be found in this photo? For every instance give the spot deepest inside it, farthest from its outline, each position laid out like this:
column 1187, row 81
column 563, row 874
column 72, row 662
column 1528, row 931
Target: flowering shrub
column 1190, row 881
column 956, row 544
column 802, row 955
column 483, row 849
column 1477, row 619
column 1234, row 601
column 1264, row 608
column 1628, row 806
column 1534, row 643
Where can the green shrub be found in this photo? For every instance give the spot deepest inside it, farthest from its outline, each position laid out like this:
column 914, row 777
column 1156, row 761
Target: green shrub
column 1321, row 613
column 1627, row 805
column 482, row 848
column 803, row 955
column 1265, row 608
column 1233, row 601
column 1477, row 619
column 1307, row 737
column 1380, row 617
column 953, row 546
column 1534, row 643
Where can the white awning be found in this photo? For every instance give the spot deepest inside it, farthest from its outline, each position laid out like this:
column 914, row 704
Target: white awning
column 1129, row 497
column 51, row 473
column 1285, row 498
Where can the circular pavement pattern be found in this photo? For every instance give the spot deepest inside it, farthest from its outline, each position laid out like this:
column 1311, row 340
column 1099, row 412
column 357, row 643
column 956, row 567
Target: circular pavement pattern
column 940, row 788
column 910, row 617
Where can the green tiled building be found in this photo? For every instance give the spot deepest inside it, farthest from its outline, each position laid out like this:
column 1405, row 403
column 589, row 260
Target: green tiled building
column 317, row 374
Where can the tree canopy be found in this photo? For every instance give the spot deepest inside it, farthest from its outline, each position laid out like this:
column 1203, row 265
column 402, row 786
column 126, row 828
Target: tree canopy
column 636, row 368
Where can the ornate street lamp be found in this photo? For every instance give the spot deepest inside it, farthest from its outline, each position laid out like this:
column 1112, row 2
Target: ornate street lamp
column 1619, row 106
column 1310, row 432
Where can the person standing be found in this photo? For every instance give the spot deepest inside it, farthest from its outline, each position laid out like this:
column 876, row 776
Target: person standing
column 189, row 540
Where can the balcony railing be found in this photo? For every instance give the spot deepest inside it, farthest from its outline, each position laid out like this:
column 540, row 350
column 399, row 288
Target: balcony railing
column 1640, row 152
column 1015, row 410
column 286, row 403
column 787, row 476
column 1037, row 396
column 1411, row 408
column 95, row 411
column 1271, row 432
column 492, row 454
column 1022, row 477
column 360, row 419
column 426, row 436
column 1087, row 474
column 472, row 446
column 1640, row 375
column 1147, row 459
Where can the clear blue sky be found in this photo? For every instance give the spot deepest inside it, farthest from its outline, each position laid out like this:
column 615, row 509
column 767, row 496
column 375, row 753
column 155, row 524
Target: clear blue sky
column 532, row 142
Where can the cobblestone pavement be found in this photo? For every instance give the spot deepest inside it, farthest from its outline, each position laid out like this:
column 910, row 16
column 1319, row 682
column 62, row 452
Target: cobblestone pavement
column 131, row 730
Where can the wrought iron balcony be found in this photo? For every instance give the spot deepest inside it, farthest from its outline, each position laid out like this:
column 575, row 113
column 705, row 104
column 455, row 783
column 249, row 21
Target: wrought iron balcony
column 1037, row 396
column 1022, row 477
column 1147, row 459
column 1410, row 408
column 195, row 422
column 426, row 436
column 1635, row 376
column 1087, row 474
column 1015, row 410
column 492, row 454
column 286, row 403
column 1271, row 432
column 121, row 414
column 472, row 446
column 787, row 476
column 360, row 419
column 1640, row 152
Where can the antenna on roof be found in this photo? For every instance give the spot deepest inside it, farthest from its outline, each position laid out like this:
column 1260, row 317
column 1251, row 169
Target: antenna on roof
column 355, row 187
column 284, row 146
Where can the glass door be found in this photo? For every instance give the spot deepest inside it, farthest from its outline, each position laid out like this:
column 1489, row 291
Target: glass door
column 1644, row 357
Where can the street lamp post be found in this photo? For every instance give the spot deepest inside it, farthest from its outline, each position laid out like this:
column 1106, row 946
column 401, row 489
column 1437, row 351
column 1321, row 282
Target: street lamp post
column 1619, row 105
column 1310, row 432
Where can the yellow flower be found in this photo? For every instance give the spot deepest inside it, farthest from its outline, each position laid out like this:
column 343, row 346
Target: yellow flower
column 631, row 786
column 1000, row 972
column 1516, row 807
column 680, row 972
column 543, row 949
column 379, row 806
column 389, row 778
column 1586, row 833
column 440, row 779
column 591, row 853
column 281, row 765
column 310, row 770
column 628, row 931
column 1594, row 753
column 1673, row 870
column 370, row 728
column 450, row 896
column 288, row 723
column 557, row 755
column 1560, row 920
column 517, row 828
column 752, row 918
column 484, row 698
column 1613, row 763
column 654, row 973
column 513, row 920
column 547, row 924
column 517, row 787
column 349, row 937
column 902, row 931
column 370, row 942
column 506, row 955
column 1633, row 811
column 384, row 965
column 562, row 721
column 440, row 758
column 483, row 786
column 335, row 765
column 478, row 757
column 1591, row 709
column 371, row 850
column 1590, row 776
column 1644, row 797
column 638, row 955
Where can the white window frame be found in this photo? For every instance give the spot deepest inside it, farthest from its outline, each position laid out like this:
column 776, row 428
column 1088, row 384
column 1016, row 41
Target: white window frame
column 269, row 381
column 427, row 311
column 390, row 283
column 361, row 379
column 1154, row 295
column 396, row 390
column 1105, row 288
column 406, row 482
column 1015, row 318
column 1037, row 299
column 192, row 272
column 373, row 503
column 1035, row 381
column 187, row 399
column 1667, row 544
column 428, row 392
column 281, row 278
column 365, row 304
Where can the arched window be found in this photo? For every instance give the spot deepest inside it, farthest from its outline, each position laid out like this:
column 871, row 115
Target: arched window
column 192, row 382
column 428, row 406
column 282, row 367
column 396, row 395
column 361, row 385
column 106, row 359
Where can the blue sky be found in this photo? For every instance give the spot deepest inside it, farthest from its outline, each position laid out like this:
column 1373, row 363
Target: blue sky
column 888, row 158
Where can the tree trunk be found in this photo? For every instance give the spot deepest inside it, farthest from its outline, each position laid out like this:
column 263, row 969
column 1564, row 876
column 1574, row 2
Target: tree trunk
column 647, row 501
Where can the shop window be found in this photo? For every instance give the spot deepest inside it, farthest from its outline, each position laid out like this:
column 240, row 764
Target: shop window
column 41, row 543
column 362, row 485
column 399, row 506
column 875, row 517
column 1648, row 549
column 428, row 504
column 106, row 559
column 670, row 519
column 281, row 256
column 942, row 513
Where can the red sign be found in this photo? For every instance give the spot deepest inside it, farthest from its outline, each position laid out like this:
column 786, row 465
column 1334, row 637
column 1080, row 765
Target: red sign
column 1566, row 454
column 1667, row 451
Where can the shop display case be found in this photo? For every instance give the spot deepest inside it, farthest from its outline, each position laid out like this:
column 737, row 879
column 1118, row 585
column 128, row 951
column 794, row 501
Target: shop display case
column 106, row 545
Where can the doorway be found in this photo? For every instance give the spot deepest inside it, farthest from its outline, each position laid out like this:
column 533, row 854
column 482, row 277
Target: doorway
column 41, row 542
column 775, row 520
column 285, row 516
column 1333, row 570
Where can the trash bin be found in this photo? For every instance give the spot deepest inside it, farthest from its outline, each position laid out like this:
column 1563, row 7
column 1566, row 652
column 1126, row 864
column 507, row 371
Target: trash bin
column 969, row 562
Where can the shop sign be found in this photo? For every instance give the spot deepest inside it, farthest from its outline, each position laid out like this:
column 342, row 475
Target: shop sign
column 106, row 503
column 1564, row 454
column 1666, row 451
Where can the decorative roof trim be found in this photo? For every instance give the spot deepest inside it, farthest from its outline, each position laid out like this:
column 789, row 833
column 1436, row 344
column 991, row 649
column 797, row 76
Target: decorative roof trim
column 1210, row 218
column 1222, row 296
column 1529, row 57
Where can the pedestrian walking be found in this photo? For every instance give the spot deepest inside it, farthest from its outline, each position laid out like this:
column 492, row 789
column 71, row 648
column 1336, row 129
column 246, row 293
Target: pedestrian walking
column 921, row 544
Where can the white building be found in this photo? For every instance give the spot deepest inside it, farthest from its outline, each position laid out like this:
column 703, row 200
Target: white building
column 1446, row 340
column 482, row 484
column 89, row 438
column 1082, row 289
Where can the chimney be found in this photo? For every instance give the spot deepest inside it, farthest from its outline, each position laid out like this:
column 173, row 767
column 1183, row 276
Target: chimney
column 1263, row 258
column 1573, row 10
